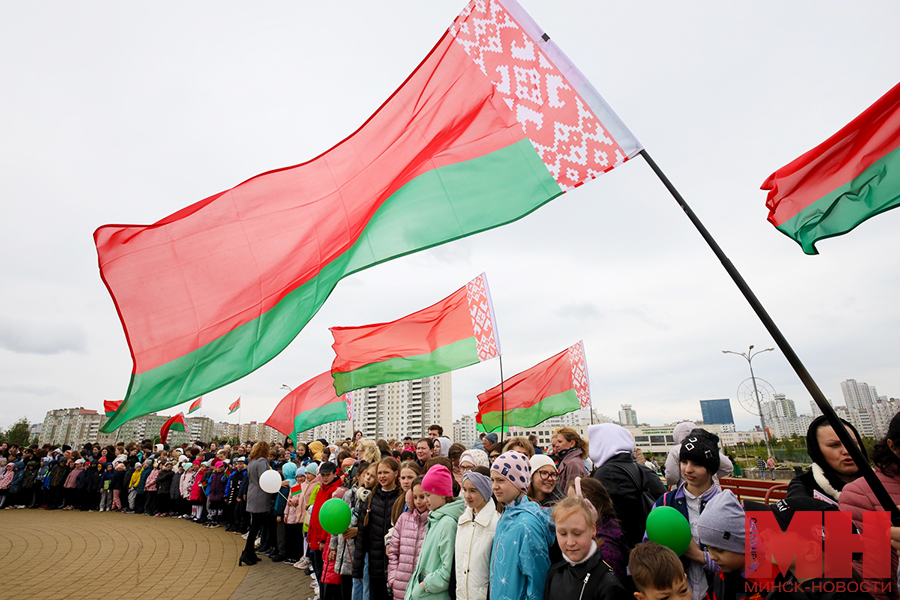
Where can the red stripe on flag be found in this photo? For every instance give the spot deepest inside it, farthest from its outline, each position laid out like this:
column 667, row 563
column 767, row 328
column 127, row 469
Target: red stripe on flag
column 547, row 378
column 836, row 161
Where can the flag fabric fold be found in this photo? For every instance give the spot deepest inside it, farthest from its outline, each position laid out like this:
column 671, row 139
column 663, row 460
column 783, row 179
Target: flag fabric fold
column 850, row 177
column 176, row 423
column 456, row 332
column 111, row 406
column 554, row 387
column 492, row 124
column 195, row 405
column 309, row 405
column 234, row 406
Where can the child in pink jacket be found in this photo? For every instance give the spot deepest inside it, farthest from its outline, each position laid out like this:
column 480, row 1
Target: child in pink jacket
column 406, row 541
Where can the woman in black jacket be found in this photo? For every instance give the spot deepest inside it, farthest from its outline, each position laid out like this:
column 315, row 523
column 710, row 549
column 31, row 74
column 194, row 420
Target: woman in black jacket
column 374, row 526
column 831, row 468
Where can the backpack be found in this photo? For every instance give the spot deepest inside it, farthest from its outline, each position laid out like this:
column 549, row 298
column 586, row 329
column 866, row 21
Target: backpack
column 648, row 500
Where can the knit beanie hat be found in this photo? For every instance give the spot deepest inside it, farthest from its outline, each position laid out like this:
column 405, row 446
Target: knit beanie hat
column 721, row 523
column 515, row 467
column 541, row 460
column 475, row 457
column 312, row 468
column 438, row 481
column 701, row 447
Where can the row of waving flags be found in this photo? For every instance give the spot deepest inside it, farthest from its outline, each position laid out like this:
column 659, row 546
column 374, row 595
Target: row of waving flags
column 493, row 123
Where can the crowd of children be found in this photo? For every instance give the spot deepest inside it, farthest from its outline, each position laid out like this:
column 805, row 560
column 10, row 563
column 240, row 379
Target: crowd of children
column 433, row 519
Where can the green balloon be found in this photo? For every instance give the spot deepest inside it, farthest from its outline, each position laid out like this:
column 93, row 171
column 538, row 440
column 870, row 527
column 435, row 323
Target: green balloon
column 668, row 527
column 334, row 516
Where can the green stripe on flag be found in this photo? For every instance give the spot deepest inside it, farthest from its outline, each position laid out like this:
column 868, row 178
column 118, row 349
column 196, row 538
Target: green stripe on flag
column 873, row 191
column 551, row 406
column 336, row 411
column 446, row 358
column 176, row 427
column 518, row 183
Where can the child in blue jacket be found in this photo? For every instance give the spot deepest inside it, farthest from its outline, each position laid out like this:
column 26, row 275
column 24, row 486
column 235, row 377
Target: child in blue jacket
column 520, row 558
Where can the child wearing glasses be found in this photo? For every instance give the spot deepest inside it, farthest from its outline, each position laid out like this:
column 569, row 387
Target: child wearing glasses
column 544, row 479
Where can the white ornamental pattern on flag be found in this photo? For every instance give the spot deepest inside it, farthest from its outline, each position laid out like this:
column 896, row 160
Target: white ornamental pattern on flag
column 567, row 135
column 580, row 374
column 482, row 316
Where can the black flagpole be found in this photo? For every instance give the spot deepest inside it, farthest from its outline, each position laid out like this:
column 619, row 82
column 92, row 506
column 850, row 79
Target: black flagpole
column 502, row 406
column 850, row 444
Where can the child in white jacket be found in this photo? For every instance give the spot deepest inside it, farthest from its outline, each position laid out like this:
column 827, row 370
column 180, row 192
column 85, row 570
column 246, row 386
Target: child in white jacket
column 475, row 536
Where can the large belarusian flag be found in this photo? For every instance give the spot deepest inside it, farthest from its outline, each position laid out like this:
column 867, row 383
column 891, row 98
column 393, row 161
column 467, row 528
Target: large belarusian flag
column 309, row 405
column 176, row 423
column 111, row 406
column 492, row 124
column 456, row 332
column 554, row 387
column 195, row 405
column 853, row 175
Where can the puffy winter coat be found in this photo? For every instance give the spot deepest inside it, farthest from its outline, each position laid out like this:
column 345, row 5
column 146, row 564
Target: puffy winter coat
column 292, row 514
column 150, row 485
column 217, row 482
column 30, row 475
column 406, row 541
column 164, row 481
column 197, row 487
column 438, row 550
column 858, row 498
column 15, row 486
column 592, row 578
column 58, row 474
column 72, row 477
column 474, row 539
column 520, row 557
column 142, row 482
column 374, row 523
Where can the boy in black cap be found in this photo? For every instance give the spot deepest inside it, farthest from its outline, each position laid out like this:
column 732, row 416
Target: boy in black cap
column 699, row 461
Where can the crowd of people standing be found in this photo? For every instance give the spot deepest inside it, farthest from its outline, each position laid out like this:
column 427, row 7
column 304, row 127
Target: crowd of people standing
column 431, row 518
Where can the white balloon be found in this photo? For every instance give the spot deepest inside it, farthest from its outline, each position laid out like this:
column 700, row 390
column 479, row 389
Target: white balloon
column 270, row 481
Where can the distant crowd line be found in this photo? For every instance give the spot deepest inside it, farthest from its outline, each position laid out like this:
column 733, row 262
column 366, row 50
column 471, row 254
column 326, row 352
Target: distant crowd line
column 431, row 518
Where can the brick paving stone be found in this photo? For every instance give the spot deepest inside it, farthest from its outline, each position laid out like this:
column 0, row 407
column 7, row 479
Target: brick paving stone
column 48, row 555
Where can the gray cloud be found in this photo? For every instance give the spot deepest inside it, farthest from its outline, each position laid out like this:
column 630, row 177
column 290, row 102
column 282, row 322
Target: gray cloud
column 581, row 310
column 23, row 337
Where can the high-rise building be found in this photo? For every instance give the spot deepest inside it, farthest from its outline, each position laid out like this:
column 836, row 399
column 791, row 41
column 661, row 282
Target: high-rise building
column 74, row 427
column 816, row 412
column 857, row 394
column 260, row 432
column 464, row 430
column 778, row 408
column 859, row 398
column 628, row 416
column 716, row 412
column 395, row 410
column 882, row 412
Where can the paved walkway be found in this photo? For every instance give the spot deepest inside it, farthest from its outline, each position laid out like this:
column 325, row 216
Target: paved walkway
column 49, row 555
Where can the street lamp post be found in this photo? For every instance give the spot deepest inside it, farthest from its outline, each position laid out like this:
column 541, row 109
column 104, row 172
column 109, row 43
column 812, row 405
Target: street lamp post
column 749, row 354
column 285, row 386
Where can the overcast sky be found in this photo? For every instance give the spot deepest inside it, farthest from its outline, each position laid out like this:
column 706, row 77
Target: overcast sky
column 127, row 112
